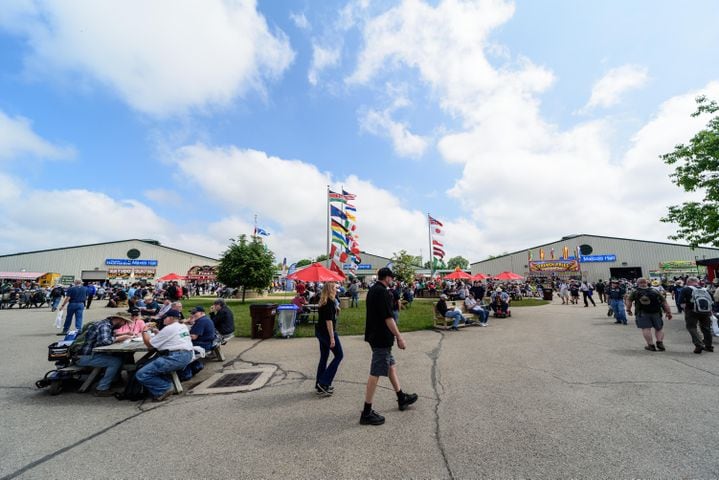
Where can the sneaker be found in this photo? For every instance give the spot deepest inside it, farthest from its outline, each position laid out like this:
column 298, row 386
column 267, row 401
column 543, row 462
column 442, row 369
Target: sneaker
column 454, row 328
column 660, row 346
column 618, row 322
column 325, row 390
column 373, row 418
column 103, row 393
column 698, row 349
column 610, row 312
column 651, row 348
column 483, row 325
column 164, row 396
column 61, row 334
column 406, row 400
column 710, row 348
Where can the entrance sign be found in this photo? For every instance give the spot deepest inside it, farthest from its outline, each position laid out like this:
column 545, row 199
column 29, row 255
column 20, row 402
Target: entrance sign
column 126, row 262
column 598, row 258
column 554, row 266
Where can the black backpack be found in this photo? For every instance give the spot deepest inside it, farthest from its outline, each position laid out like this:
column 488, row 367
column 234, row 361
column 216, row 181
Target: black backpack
column 648, row 300
column 134, row 390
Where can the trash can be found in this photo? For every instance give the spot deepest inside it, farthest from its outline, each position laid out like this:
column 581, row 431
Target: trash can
column 286, row 315
column 263, row 319
column 548, row 293
column 344, row 302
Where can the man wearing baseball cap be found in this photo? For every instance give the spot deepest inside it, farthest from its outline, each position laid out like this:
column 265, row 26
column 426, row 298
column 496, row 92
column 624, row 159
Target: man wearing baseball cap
column 380, row 332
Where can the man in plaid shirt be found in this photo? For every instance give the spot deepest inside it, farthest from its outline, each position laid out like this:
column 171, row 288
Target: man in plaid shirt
column 100, row 334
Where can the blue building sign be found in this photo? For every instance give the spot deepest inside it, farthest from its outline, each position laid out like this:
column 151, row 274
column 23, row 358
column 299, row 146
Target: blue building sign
column 598, row 258
column 126, row 262
column 361, row 266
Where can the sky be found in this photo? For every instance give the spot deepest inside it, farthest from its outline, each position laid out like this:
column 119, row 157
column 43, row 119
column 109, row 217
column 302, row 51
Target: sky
column 513, row 123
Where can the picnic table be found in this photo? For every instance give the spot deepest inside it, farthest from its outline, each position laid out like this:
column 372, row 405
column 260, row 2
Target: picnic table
column 131, row 347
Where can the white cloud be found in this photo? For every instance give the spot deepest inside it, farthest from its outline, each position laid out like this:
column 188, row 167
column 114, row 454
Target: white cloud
column 300, row 21
column 405, row 143
column 322, row 58
column 609, row 89
column 161, row 57
column 17, row 138
column 163, row 196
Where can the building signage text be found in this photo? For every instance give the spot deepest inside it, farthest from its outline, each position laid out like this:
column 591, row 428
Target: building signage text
column 126, row 262
column 598, row 258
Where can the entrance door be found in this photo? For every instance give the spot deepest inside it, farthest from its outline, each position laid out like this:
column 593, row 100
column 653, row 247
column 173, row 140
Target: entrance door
column 626, row 272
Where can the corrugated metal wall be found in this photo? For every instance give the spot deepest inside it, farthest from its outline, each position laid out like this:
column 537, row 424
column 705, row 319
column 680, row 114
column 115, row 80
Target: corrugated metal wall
column 72, row 261
column 630, row 253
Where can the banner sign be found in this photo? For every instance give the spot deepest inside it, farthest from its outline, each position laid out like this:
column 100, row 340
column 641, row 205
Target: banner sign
column 678, row 266
column 202, row 272
column 126, row 262
column 554, row 266
column 131, row 272
column 361, row 266
column 67, row 279
column 598, row 258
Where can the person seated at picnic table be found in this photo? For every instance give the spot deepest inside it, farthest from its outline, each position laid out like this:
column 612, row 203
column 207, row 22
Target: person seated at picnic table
column 135, row 324
column 472, row 306
column 174, row 307
column 223, row 318
column 449, row 312
column 202, row 330
column 101, row 334
column 175, row 352
column 151, row 306
column 500, row 300
column 300, row 302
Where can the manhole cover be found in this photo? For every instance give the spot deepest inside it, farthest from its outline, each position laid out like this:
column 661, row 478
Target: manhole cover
column 232, row 381
column 235, row 379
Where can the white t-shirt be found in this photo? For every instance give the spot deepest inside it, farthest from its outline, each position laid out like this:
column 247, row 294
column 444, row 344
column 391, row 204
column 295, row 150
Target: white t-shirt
column 173, row 337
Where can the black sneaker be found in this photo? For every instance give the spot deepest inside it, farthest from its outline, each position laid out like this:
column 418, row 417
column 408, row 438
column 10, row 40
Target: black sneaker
column 610, row 312
column 406, row 400
column 698, row 349
column 651, row 348
column 373, row 418
column 325, row 389
column 660, row 346
column 710, row 348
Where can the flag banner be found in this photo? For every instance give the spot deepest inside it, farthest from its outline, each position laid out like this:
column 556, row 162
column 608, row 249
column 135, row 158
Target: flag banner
column 435, row 242
column 438, row 252
column 350, row 217
column 338, row 226
column 551, row 254
column 336, row 212
column 339, row 239
column 335, row 268
column 541, row 254
column 434, row 221
column 436, row 231
column 333, row 251
column 348, row 195
column 261, row 231
column 350, row 207
column 529, row 255
column 336, row 197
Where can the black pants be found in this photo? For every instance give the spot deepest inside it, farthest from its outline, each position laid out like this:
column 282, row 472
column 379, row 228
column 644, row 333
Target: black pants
column 89, row 301
column 705, row 325
column 587, row 296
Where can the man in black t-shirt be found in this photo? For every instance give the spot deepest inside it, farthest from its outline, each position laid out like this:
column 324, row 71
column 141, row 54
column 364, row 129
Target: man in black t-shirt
column 694, row 319
column 380, row 332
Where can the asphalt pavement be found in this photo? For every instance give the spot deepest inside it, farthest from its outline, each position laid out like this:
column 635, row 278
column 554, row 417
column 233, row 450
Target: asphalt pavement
column 552, row 392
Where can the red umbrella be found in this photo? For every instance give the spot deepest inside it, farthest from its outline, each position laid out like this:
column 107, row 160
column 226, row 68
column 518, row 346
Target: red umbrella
column 508, row 276
column 316, row 273
column 171, row 276
column 479, row 277
column 458, row 275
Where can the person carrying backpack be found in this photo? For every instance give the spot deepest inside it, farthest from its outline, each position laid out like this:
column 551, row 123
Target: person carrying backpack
column 649, row 305
column 697, row 305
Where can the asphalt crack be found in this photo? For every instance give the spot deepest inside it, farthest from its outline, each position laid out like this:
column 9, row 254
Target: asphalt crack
column 438, row 390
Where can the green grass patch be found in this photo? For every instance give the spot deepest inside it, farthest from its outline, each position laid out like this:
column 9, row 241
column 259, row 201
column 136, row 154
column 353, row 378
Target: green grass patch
column 351, row 320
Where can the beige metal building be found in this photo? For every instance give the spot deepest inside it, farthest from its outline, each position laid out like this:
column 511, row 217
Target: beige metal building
column 120, row 260
column 595, row 257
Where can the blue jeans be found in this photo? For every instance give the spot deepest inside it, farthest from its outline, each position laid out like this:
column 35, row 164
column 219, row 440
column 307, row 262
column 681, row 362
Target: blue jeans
column 56, row 303
column 618, row 308
column 111, row 363
column 154, row 375
column 355, row 300
column 326, row 373
column 483, row 314
column 74, row 309
column 456, row 315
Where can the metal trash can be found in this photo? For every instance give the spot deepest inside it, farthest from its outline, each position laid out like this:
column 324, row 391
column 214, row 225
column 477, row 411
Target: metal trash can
column 548, row 293
column 344, row 302
column 286, row 315
column 263, row 319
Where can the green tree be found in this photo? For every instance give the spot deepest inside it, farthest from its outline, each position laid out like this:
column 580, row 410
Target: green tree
column 697, row 170
column 458, row 261
column 403, row 266
column 246, row 264
column 321, row 258
column 304, row 262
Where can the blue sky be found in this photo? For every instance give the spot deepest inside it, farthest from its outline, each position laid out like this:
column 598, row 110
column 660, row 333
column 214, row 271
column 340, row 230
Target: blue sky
column 513, row 122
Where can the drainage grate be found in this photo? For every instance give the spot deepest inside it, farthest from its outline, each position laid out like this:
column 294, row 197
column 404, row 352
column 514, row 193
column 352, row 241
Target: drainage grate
column 236, row 380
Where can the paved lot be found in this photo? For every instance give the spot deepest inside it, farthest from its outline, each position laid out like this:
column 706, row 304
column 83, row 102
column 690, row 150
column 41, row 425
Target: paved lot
column 553, row 392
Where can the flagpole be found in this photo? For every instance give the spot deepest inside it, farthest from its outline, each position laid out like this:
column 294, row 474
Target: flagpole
column 327, row 194
column 431, row 251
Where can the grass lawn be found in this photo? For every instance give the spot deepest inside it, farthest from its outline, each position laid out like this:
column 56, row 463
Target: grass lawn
column 351, row 320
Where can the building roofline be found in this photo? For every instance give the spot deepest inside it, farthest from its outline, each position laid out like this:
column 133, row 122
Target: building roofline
column 569, row 237
column 109, row 243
